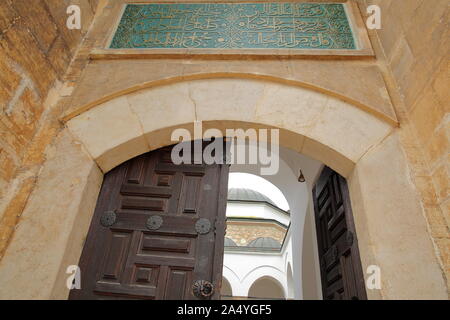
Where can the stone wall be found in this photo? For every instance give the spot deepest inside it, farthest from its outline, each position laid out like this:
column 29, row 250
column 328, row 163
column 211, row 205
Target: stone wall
column 414, row 40
column 36, row 50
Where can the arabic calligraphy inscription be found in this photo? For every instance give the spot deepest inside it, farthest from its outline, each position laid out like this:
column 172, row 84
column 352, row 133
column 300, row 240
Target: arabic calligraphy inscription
column 235, row 26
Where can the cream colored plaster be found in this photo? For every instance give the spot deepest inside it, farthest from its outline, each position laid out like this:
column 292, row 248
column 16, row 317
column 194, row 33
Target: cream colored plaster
column 111, row 133
column 163, row 107
column 325, row 154
column 226, row 99
column 50, row 234
column 370, row 95
column 296, row 110
column 340, row 121
column 391, row 227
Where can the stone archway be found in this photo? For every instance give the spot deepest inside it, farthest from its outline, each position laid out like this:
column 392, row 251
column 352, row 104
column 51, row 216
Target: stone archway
column 351, row 141
column 320, row 126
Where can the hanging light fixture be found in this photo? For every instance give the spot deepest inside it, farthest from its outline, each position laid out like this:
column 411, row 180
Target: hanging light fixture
column 301, row 178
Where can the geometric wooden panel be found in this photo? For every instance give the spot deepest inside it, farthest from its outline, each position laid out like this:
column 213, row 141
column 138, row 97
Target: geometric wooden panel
column 341, row 271
column 156, row 243
column 118, row 247
column 130, row 261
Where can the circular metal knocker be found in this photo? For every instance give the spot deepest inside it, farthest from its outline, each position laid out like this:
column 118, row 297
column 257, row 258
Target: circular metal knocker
column 203, row 289
column 154, row 222
column 108, row 219
column 203, row 226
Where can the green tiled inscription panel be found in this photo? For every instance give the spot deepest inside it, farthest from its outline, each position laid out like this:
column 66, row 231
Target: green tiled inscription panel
column 234, row 26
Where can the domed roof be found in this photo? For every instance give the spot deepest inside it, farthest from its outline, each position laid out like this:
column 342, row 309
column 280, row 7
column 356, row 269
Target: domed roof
column 266, row 243
column 243, row 194
column 230, row 243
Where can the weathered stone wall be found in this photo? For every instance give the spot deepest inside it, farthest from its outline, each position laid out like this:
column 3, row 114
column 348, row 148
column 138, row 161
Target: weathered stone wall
column 36, row 49
column 242, row 233
column 414, row 40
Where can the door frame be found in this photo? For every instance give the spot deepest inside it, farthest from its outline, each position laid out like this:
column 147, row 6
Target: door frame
column 220, row 230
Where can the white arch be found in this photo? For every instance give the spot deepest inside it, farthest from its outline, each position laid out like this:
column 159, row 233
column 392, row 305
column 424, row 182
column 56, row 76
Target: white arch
column 264, row 271
column 272, row 280
column 266, row 288
column 233, row 279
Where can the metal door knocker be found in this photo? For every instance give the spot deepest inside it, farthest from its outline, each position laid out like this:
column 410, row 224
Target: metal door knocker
column 203, row 226
column 154, row 222
column 108, row 219
column 203, row 289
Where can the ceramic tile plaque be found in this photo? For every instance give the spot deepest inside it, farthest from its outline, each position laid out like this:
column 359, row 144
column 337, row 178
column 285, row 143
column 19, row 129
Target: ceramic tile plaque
column 234, row 26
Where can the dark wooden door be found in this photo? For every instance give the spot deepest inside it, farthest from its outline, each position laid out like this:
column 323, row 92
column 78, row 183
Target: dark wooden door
column 340, row 264
column 149, row 236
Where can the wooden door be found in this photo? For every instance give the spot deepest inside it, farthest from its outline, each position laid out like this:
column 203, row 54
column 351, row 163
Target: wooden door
column 340, row 265
column 149, row 236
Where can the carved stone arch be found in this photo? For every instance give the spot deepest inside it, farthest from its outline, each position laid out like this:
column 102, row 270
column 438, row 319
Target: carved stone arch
column 363, row 98
column 323, row 127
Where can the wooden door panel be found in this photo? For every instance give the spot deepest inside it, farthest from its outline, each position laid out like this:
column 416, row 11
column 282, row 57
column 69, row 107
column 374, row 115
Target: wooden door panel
column 117, row 248
column 178, row 283
column 340, row 265
column 141, row 258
